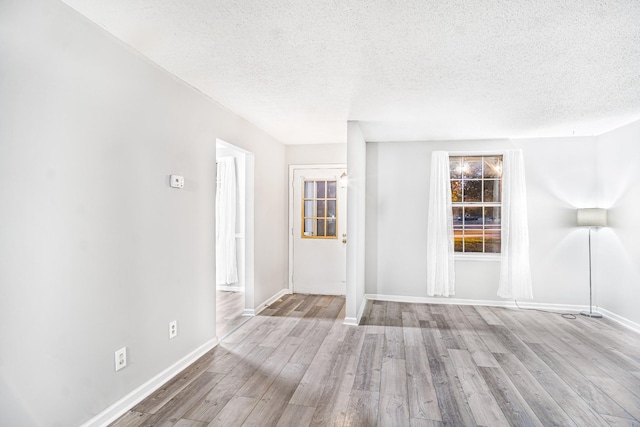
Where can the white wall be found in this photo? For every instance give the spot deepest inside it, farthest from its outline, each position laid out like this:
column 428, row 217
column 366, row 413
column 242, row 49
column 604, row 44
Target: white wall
column 97, row 252
column 316, row 154
column 617, row 255
column 560, row 176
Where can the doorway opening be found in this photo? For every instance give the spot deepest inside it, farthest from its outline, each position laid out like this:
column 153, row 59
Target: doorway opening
column 234, row 237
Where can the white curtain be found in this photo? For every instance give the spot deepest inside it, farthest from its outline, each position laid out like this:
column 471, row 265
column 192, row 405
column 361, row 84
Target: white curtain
column 440, row 263
column 226, row 263
column 515, row 272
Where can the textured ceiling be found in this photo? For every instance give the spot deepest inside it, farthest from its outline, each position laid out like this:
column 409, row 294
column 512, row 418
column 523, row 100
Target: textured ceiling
column 407, row 70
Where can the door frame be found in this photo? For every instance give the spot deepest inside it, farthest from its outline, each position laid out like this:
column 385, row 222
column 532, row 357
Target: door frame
column 292, row 169
column 249, row 231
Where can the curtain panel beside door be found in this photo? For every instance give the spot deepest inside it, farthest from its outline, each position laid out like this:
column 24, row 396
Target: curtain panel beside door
column 226, row 188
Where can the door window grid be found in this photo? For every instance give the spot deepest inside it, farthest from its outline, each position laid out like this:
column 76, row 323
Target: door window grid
column 476, row 196
column 319, row 209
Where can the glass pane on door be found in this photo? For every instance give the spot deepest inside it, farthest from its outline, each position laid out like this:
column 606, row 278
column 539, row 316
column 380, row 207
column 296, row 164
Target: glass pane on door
column 320, row 209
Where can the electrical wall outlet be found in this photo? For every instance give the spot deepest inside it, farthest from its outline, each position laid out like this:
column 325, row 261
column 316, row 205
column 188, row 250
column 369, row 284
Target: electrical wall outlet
column 121, row 358
column 173, row 329
column 176, row 181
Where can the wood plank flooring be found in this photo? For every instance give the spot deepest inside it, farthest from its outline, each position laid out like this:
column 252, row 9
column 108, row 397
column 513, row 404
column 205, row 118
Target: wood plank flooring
column 296, row 364
column 229, row 309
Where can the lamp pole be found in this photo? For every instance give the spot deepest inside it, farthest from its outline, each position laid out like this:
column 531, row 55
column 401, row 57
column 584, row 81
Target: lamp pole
column 590, row 313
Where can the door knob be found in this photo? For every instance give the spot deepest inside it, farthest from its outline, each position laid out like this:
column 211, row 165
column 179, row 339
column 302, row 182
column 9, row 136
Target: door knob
column 344, row 238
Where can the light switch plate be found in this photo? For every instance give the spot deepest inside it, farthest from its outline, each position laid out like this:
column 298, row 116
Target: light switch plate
column 176, row 181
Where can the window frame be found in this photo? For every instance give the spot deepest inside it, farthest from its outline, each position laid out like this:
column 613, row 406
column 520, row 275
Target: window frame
column 315, row 200
column 479, row 256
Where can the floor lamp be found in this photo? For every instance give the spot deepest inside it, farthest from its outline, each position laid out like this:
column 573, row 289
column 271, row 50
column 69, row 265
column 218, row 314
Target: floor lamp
column 591, row 217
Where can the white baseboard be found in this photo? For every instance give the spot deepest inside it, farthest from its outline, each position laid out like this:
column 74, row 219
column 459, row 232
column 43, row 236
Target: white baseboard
column 635, row 327
column 229, row 288
column 355, row 321
column 248, row 312
column 268, row 302
column 350, row 321
column 123, row 405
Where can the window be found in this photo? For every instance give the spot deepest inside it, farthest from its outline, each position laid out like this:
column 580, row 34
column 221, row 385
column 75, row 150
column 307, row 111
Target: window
column 476, row 198
column 320, row 206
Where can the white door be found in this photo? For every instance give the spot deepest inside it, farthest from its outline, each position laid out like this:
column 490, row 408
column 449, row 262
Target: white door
column 319, row 231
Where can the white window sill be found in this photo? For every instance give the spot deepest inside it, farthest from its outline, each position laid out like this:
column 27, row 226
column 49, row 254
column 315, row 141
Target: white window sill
column 477, row 257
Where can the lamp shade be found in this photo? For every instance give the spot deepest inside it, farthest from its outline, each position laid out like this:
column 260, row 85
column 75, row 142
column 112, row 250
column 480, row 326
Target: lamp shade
column 592, row 217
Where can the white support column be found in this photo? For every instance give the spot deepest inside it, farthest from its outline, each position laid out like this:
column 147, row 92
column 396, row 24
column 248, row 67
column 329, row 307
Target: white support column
column 356, row 170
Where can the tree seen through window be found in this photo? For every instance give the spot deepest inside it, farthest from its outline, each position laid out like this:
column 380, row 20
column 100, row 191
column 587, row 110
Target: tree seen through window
column 476, row 196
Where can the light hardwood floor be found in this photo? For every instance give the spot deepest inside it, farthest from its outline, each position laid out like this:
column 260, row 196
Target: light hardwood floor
column 229, row 309
column 296, row 364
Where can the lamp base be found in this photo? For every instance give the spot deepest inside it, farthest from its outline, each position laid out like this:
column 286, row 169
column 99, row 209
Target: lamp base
column 593, row 314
